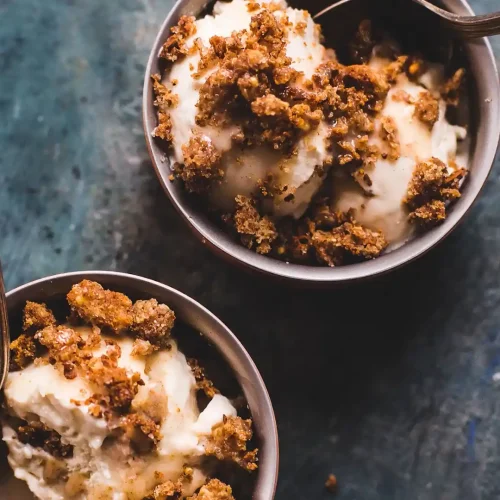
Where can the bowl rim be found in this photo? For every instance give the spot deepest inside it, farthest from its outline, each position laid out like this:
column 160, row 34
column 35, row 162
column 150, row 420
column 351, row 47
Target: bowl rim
column 231, row 349
column 234, row 252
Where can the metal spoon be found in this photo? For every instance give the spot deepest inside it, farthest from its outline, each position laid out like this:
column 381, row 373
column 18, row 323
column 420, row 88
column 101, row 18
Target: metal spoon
column 4, row 333
column 464, row 26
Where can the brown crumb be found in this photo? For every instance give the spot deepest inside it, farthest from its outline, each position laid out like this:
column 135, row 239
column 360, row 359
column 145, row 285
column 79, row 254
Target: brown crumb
column 143, row 433
column 22, row 352
column 300, row 28
column 304, row 118
column 253, row 6
column 202, row 382
column 38, row 435
column 255, row 230
column 372, row 83
column 214, row 490
column 429, row 189
column 395, row 68
column 58, row 338
column 115, row 390
column 37, row 316
column 325, row 218
column 331, row 483
column 168, row 491
column 152, row 321
column 389, row 134
column 228, row 441
column 142, row 348
column 252, row 86
column 451, row 89
column 201, row 167
column 104, row 308
column 427, row 109
column 429, row 215
column 402, row 96
column 164, row 100
column 175, row 46
column 65, row 348
column 270, row 105
column 73, row 357
column 294, row 240
column 431, row 180
column 348, row 239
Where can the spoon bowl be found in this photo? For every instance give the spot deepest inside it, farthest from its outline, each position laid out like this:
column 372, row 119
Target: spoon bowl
column 406, row 22
column 465, row 26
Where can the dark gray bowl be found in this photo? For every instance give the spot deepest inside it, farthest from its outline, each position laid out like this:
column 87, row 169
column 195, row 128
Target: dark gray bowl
column 190, row 312
column 485, row 130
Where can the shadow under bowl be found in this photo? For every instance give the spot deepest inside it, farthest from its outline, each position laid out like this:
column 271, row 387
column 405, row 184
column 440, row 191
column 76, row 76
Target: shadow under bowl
column 215, row 335
column 484, row 131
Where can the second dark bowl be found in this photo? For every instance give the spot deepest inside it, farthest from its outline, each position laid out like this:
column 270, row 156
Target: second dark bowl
column 53, row 290
column 485, row 89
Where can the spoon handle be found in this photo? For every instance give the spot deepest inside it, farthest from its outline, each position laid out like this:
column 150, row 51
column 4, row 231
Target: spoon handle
column 467, row 26
column 4, row 332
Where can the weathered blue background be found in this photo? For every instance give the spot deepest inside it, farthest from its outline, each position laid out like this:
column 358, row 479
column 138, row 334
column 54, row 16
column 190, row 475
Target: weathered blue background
column 388, row 385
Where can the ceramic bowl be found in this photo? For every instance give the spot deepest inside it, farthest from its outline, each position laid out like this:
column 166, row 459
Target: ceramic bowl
column 53, row 290
column 484, row 130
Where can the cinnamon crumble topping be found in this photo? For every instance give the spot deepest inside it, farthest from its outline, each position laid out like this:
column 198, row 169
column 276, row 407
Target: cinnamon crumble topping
column 253, row 6
column 66, row 348
column 202, row 382
column 152, row 322
column 430, row 188
column 427, row 109
column 37, row 316
column 348, row 239
column 103, row 308
column 255, row 230
column 201, row 167
column 244, row 89
column 143, row 348
column 143, row 433
column 164, row 100
column 331, row 238
column 430, row 214
column 175, row 46
column 228, row 441
column 389, row 134
column 115, row 389
column 22, row 352
column 300, row 27
column 331, row 483
column 452, row 88
column 214, row 490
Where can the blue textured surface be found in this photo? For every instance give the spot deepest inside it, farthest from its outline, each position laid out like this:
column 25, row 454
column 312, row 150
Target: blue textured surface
column 388, row 385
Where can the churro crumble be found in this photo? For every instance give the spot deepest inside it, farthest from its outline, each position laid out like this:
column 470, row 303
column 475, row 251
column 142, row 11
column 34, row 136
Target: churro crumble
column 104, row 406
column 269, row 124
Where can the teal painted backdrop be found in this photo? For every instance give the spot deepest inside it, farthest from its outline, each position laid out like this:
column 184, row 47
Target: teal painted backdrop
column 388, row 385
